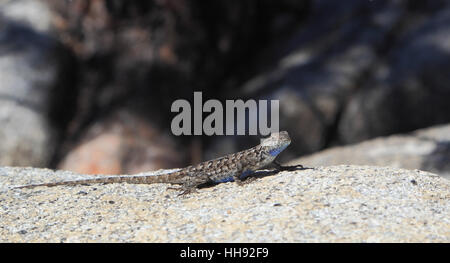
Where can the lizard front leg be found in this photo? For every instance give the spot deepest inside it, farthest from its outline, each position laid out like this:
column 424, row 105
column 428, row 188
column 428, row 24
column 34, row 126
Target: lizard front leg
column 241, row 177
column 280, row 167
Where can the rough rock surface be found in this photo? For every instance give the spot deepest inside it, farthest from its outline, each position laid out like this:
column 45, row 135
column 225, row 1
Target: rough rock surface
column 328, row 204
column 426, row 149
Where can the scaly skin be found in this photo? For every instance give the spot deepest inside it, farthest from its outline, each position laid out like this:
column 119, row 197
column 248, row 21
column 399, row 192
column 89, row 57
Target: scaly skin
column 232, row 167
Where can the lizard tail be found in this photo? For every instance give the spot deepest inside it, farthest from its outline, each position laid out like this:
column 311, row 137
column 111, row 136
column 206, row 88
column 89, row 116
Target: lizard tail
column 132, row 179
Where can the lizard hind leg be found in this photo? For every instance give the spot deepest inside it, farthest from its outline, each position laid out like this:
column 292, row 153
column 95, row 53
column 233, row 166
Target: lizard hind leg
column 187, row 190
column 184, row 189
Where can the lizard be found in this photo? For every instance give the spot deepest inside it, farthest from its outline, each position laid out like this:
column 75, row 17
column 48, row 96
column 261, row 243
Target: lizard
column 232, row 167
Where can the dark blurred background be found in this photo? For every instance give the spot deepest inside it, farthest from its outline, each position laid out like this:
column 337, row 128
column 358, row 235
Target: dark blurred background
column 87, row 85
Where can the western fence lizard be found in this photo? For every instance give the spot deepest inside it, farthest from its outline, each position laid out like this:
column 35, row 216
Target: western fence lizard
column 233, row 167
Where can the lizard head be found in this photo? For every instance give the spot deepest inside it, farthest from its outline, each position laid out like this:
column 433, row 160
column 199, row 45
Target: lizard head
column 276, row 142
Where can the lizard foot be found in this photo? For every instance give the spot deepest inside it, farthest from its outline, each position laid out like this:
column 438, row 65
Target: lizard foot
column 184, row 190
column 246, row 181
column 280, row 167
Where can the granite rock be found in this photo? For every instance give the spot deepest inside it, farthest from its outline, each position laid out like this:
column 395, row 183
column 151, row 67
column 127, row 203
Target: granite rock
column 36, row 88
column 425, row 149
column 326, row 204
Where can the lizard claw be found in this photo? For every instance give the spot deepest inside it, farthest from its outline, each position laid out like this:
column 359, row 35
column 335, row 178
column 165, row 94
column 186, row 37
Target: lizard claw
column 186, row 191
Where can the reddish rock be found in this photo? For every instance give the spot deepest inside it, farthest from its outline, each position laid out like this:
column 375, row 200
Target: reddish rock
column 122, row 144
